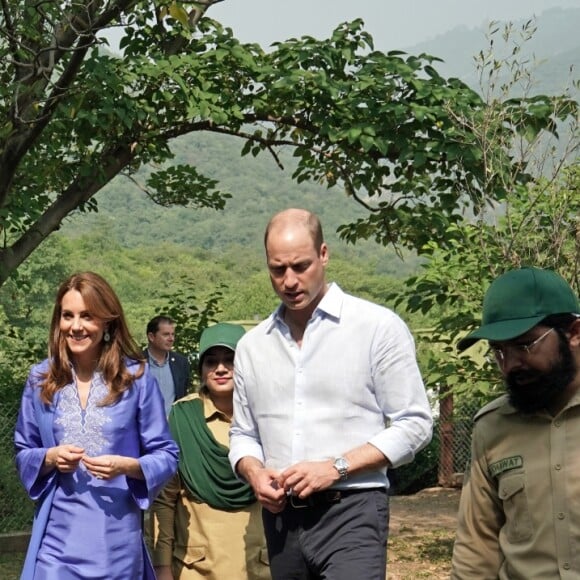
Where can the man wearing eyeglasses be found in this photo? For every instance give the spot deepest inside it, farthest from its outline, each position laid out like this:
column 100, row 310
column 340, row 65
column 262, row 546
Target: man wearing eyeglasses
column 519, row 516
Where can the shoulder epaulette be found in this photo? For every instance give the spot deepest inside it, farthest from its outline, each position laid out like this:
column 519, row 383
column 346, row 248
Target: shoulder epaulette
column 494, row 405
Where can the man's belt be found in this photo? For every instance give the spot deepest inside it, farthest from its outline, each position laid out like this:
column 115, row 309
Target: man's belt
column 325, row 498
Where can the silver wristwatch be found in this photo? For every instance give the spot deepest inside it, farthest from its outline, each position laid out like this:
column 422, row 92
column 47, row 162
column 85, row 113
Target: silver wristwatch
column 341, row 465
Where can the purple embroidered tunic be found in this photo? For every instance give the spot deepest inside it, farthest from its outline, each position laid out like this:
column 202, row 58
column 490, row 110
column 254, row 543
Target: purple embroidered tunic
column 94, row 527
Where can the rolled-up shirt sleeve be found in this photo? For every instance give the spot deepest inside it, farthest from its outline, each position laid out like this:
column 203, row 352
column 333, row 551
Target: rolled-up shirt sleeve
column 400, row 393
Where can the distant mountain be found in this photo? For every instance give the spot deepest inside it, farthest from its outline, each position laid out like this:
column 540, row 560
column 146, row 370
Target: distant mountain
column 555, row 46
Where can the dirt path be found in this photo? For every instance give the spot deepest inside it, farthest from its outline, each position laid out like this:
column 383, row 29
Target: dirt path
column 429, row 508
column 422, row 531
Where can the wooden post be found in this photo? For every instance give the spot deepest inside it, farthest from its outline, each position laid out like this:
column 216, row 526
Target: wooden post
column 446, row 469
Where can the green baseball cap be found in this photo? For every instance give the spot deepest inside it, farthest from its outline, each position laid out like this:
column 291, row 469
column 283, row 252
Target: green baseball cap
column 221, row 334
column 518, row 300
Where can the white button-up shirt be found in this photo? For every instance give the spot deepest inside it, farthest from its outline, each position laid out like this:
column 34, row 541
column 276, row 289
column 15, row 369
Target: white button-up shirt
column 355, row 372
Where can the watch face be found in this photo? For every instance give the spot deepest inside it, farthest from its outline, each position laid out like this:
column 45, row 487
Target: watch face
column 341, row 465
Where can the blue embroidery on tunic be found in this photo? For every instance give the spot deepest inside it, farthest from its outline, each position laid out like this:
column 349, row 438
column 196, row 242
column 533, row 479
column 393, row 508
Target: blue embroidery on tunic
column 84, row 428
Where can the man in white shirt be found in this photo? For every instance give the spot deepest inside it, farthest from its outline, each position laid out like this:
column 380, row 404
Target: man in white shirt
column 315, row 385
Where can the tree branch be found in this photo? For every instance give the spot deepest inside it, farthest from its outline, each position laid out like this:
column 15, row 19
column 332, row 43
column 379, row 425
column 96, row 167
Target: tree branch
column 80, row 191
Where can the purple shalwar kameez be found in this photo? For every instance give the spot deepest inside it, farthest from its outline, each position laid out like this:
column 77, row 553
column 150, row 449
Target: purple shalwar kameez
column 94, row 527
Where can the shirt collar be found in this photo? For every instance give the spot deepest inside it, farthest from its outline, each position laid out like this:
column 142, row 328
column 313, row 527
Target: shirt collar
column 331, row 303
column 153, row 361
column 210, row 411
column 574, row 400
column 330, row 306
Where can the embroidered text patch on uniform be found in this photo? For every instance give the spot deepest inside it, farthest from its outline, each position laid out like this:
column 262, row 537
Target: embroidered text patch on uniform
column 505, row 465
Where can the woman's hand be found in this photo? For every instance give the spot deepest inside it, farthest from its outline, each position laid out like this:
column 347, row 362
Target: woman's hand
column 64, row 458
column 110, row 466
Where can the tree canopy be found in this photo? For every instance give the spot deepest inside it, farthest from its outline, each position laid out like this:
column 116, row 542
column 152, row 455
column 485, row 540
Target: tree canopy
column 537, row 224
column 387, row 128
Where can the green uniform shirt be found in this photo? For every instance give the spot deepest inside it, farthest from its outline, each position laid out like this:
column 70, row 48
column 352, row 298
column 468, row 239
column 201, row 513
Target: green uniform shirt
column 519, row 515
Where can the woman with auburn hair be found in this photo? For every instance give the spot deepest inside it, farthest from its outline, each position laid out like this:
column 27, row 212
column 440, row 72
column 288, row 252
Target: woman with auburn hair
column 93, row 447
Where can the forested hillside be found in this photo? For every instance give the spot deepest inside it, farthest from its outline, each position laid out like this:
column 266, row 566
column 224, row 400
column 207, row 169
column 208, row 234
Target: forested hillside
column 149, row 252
column 259, row 187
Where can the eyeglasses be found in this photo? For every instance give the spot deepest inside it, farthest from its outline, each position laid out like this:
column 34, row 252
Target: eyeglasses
column 520, row 349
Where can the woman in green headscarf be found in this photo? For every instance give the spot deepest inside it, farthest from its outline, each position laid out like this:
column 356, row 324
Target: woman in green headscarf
column 206, row 523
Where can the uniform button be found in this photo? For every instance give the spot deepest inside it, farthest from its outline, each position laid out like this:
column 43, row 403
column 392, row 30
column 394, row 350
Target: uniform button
column 561, row 515
column 566, row 566
column 557, row 467
column 557, row 423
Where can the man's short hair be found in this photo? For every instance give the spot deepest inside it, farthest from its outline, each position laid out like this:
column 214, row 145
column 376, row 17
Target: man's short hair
column 312, row 223
column 153, row 324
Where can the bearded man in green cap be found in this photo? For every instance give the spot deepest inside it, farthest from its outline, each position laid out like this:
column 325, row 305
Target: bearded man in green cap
column 519, row 516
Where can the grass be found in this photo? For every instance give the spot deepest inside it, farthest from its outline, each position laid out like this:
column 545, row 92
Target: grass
column 426, row 555
column 11, row 565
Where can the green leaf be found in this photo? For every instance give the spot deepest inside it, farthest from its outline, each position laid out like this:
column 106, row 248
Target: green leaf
column 180, row 14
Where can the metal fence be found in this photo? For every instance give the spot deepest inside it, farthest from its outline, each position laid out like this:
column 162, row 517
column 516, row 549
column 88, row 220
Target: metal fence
column 16, row 509
column 454, row 433
column 452, row 436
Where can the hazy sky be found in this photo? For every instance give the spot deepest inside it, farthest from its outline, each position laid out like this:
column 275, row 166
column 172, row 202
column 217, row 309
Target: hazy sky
column 393, row 25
